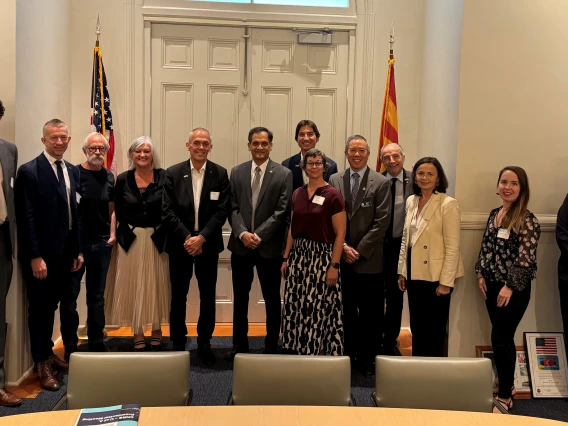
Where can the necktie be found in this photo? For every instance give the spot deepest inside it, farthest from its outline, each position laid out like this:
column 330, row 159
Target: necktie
column 393, row 196
column 61, row 179
column 354, row 190
column 255, row 191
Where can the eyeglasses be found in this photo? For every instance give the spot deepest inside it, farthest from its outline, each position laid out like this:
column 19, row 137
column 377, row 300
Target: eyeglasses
column 54, row 139
column 316, row 164
column 93, row 149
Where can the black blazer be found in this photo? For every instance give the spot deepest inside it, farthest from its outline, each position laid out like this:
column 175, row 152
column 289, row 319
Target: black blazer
column 40, row 207
column 9, row 160
column 178, row 209
column 562, row 239
column 293, row 163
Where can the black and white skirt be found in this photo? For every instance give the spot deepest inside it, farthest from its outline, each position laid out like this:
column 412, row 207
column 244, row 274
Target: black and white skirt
column 312, row 318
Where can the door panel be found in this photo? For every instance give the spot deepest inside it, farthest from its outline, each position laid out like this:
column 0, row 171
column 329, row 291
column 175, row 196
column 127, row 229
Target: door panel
column 197, row 75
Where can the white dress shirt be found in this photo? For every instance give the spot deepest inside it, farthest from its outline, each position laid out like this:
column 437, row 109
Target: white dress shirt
column 197, row 177
column 67, row 182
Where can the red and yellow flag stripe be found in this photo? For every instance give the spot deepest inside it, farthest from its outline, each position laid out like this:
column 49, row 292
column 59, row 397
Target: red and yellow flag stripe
column 389, row 119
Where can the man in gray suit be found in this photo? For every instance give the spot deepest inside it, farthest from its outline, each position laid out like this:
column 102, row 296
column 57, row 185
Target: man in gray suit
column 392, row 156
column 8, row 165
column 367, row 201
column 260, row 201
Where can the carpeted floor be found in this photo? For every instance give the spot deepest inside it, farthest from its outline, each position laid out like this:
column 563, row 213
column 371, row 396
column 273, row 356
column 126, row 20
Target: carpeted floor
column 211, row 386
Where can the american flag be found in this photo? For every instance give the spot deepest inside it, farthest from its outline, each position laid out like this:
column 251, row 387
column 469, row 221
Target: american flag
column 101, row 116
column 546, row 345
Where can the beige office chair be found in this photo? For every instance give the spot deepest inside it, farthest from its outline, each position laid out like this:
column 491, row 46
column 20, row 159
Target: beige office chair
column 112, row 378
column 460, row 384
column 291, row 380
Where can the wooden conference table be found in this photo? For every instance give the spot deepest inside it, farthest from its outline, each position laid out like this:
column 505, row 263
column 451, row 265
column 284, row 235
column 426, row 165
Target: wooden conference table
column 285, row 416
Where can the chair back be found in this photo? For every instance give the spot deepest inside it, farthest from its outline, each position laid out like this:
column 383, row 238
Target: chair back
column 109, row 378
column 460, row 384
column 291, row 380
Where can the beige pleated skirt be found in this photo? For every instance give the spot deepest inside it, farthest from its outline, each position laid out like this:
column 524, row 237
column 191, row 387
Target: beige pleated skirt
column 138, row 291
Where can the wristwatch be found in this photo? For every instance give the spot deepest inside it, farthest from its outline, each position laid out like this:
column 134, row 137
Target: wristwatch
column 334, row 265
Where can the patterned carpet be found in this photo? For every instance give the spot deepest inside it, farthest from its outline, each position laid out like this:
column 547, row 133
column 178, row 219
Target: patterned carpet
column 212, row 385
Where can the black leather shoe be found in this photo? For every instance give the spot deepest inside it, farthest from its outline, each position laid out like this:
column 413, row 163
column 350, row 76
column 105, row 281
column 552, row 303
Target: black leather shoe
column 206, row 354
column 98, row 347
column 366, row 369
column 178, row 346
column 270, row 350
column 237, row 349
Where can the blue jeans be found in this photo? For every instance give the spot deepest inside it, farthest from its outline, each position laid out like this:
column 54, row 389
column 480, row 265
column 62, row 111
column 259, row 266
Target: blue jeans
column 97, row 260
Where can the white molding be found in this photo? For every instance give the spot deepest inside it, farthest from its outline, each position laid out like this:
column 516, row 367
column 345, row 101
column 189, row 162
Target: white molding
column 279, row 21
column 478, row 221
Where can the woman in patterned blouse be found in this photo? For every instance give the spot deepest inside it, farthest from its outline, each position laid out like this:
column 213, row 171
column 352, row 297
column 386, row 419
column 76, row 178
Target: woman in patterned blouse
column 505, row 269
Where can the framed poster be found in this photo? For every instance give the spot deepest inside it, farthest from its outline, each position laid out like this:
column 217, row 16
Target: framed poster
column 547, row 364
column 522, row 379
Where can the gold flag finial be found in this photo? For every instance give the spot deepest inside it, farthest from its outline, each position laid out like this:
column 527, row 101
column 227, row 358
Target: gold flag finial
column 98, row 30
column 391, row 40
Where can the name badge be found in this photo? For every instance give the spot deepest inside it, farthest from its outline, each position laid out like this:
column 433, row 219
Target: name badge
column 399, row 199
column 366, row 204
column 503, row 233
column 78, row 197
column 12, row 182
column 214, row 196
column 318, row 200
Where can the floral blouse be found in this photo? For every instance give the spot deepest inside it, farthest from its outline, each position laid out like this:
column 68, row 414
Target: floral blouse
column 510, row 261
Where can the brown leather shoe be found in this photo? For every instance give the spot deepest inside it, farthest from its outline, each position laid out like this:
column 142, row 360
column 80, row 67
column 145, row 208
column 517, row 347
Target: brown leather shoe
column 8, row 399
column 58, row 364
column 46, row 377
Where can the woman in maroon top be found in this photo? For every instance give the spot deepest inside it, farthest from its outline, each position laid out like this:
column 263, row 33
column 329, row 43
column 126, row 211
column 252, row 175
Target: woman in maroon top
column 312, row 318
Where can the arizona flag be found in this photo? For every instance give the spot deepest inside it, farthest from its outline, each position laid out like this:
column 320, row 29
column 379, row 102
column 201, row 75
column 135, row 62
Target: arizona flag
column 101, row 116
column 389, row 119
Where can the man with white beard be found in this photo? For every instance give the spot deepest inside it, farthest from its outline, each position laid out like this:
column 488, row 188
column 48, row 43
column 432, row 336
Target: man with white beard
column 99, row 228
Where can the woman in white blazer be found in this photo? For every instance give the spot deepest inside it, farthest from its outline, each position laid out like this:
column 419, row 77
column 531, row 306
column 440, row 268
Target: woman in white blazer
column 430, row 259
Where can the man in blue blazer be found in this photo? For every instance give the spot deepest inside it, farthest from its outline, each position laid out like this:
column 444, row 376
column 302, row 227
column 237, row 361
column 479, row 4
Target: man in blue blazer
column 47, row 192
column 307, row 136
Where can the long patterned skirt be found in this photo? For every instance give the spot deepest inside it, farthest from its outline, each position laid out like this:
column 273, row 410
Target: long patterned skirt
column 312, row 318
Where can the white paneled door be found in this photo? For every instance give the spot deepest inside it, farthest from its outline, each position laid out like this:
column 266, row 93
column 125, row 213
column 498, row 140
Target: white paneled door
column 197, row 79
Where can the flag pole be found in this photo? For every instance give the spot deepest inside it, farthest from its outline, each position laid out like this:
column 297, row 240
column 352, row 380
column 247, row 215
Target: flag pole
column 98, row 30
column 97, row 33
column 391, row 41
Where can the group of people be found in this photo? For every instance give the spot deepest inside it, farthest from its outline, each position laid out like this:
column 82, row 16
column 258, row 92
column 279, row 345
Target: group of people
column 348, row 245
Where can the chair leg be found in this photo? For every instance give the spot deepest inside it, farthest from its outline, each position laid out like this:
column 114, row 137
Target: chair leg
column 230, row 400
column 374, row 399
column 189, row 396
column 60, row 403
column 352, row 401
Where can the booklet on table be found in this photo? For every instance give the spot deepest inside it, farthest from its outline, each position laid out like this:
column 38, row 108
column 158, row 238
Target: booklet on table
column 116, row 415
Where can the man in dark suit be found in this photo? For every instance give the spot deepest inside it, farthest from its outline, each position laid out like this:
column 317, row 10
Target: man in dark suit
column 194, row 209
column 307, row 136
column 562, row 240
column 260, row 202
column 47, row 193
column 367, row 201
column 8, row 164
column 392, row 156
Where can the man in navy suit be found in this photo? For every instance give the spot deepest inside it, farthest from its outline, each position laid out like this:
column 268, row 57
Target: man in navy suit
column 47, row 193
column 307, row 136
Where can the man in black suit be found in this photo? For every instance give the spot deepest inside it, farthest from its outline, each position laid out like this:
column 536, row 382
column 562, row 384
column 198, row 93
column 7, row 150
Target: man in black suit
column 562, row 240
column 194, row 209
column 260, row 203
column 8, row 164
column 392, row 156
column 307, row 136
column 47, row 193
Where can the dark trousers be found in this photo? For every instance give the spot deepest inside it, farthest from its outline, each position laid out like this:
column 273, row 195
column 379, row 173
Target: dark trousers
column 429, row 315
column 268, row 271
column 363, row 304
column 563, row 290
column 393, row 296
column 505, row 321
column 181, row 271
column 97, row 260
column 43, row 298
column 6, row 269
